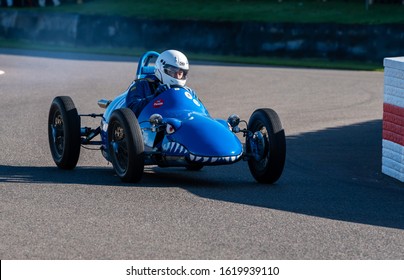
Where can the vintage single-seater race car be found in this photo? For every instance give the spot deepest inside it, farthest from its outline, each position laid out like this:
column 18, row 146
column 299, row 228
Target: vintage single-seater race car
column 174, row 129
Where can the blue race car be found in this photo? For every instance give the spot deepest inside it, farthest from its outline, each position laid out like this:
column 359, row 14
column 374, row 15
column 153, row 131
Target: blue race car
column 174, row 129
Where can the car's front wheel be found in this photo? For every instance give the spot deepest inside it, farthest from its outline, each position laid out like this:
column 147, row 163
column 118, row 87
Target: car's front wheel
column 126, row 148
column 267, row 146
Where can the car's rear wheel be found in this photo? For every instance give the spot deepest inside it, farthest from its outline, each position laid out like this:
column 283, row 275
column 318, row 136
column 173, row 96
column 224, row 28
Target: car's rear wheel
column 64, row 132
column 267, row 147
column 126, row 145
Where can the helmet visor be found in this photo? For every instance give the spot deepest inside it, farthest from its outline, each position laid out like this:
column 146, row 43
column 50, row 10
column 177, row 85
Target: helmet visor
column 175, row 72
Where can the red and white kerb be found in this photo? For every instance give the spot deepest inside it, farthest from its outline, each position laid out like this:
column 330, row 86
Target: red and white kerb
column 393, row 118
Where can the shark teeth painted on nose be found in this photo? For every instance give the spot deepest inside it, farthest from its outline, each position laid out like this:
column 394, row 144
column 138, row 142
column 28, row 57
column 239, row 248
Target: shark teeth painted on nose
column 203, row 159
column 174, row 148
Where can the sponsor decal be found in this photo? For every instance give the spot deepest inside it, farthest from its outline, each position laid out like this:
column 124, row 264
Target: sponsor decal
column 187, row 94
column 158, row 103
column 197, row 102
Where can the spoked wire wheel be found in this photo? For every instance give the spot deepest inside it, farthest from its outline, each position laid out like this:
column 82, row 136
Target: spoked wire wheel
column 119, row 143
column 64, row 132
column 126, row 145
column 58, row 134
column 267, row 146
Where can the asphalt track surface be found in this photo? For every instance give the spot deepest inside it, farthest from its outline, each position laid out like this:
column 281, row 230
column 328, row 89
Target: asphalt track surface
column 332, row 201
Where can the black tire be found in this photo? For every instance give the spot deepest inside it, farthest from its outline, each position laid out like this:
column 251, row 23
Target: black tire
column 64, row 132
column 126, row 148
column 269, row 166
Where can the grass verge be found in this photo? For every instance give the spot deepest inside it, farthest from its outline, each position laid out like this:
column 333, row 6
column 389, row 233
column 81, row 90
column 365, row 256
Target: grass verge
column 265, row 61
column 316, row 11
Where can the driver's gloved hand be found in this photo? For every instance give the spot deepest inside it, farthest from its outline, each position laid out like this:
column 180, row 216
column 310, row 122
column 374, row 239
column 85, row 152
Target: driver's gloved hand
column 162, row 88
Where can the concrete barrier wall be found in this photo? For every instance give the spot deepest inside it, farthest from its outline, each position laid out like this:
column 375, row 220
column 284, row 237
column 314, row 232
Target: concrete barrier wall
column 332, row 41
column 393, row 118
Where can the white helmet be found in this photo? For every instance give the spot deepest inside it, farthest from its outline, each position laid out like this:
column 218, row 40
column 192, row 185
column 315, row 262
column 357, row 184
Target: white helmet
column 172, row 68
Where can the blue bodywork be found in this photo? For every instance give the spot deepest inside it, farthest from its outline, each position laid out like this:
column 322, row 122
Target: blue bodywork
column 170, row 128
column 190, row 134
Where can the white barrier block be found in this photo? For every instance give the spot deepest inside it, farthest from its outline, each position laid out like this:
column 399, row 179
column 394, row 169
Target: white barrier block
column 394, row 91
column 386, row 144
column 393, row 160
column 393, row 152
column 394, row 73
column 395, row 82
column 391, row 155
column 393, row 173
column 394, row 100
column 394, row 62
column 392, row 164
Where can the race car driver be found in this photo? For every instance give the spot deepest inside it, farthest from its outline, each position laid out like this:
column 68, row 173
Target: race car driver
column 171, row 70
